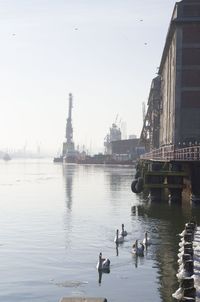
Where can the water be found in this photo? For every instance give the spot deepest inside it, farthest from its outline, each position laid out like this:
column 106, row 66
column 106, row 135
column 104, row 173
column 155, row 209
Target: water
column 56, row 219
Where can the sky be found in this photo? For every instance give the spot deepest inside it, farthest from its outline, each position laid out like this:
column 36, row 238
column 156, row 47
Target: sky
column 104, row 52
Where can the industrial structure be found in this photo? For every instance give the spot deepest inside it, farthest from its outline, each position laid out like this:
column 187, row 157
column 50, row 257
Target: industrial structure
column 69, row 152
column 171, row 130
column 113, row 135
column 125, row 149
column 118, row 149
column 149, row 137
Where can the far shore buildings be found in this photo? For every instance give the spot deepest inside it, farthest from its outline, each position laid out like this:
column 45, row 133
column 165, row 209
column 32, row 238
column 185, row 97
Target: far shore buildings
column 120, row 149
column 125, row 149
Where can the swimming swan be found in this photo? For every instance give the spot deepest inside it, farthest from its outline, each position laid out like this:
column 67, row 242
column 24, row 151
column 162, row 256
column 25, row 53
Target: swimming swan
column 146, row 240
column 118, row 239
column 123, row 232
column 103, row 264
column 139, row 251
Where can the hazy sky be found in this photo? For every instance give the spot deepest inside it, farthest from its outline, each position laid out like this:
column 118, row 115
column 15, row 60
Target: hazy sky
column 105, row 52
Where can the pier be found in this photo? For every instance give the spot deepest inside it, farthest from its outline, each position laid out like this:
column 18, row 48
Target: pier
column 171, row 131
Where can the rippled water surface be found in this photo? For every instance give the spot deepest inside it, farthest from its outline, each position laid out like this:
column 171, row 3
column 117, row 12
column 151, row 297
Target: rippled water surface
column 55, row 219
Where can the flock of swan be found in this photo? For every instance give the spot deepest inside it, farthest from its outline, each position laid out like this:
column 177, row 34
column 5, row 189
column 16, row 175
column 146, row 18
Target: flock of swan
column 188, row 274
column 188, row 260
column 103, row 264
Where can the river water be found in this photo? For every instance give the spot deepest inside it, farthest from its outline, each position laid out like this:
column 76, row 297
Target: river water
column 55, row 220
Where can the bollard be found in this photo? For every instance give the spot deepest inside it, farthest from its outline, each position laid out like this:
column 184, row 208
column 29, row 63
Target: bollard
column 188, row 245
column 186, row 257
column 189, row 266
column 191, row 225
column 188, row 237
column 190, row 292
column 187, row 299
column 194, row 222
column 189, row 251
column 187, row 282
column 189, row 230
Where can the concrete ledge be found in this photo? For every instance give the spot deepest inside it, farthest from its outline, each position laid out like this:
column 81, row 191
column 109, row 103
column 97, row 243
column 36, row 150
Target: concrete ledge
column 85, row 299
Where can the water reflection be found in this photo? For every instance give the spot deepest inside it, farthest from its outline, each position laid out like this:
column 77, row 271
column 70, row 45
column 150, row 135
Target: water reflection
column 117, row 249
column 164, row 221
column 137, row 260
column 68, row 177
column 119, row 177
column 118, row 180
column 100, row 274
column 75, row 217
column 68, row 174
column 115, row 180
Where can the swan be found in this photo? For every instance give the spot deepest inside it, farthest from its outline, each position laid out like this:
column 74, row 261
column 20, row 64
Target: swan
column 123, row 232
column 182, row 274
column 103, row 264
column 178, row 294
column 139, row 251
column 118, row 239
column 146, row 240
column 182, row 234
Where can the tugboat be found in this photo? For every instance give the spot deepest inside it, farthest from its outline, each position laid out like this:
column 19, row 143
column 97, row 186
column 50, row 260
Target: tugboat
column 58, row 159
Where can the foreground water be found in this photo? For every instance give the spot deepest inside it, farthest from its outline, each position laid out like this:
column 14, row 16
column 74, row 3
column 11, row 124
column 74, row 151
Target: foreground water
column 55, row 219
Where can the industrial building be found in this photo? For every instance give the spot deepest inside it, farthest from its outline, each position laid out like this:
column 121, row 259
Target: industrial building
column 171, row 130
column 180, row 77
column 125, row 149
column 150, row 134
column 172, row 117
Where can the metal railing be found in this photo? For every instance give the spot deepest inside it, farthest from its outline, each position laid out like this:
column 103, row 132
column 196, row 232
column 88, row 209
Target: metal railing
column 170, row 153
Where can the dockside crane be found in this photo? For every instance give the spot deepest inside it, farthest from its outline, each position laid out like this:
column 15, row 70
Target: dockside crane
column 69, row 129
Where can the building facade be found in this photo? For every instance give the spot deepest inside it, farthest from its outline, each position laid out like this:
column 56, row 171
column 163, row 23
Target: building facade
column 180, row 78
column 125, row 149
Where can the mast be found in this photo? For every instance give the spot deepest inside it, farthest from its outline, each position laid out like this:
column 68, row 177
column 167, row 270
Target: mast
column 69, row 129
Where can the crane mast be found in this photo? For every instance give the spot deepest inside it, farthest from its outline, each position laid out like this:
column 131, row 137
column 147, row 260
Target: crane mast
column 69, row 152
column 69, row 129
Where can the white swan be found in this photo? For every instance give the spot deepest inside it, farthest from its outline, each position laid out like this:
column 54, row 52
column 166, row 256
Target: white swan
column 178, row 294
column 118, row 239
column 146, row 240
column 139, row 251
column 123, row 232
column 103, row 264
column 182, row 274
column 183, row 233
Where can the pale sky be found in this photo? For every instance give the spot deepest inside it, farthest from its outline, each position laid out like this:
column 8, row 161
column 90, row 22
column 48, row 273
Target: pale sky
column 105, row 52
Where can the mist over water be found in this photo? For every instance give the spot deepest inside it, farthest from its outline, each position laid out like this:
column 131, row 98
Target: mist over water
column 56, row 219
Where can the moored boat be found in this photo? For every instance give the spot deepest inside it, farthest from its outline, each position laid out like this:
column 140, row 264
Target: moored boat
column 58, row 159
column 6, row 157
